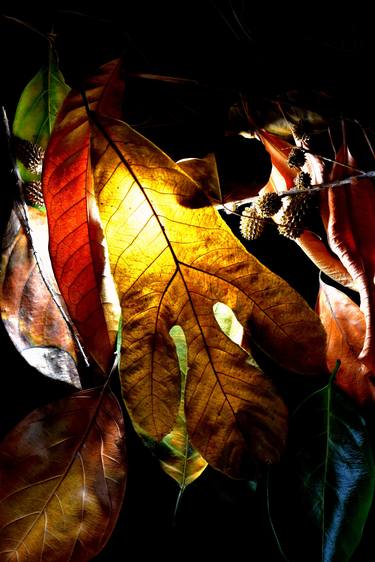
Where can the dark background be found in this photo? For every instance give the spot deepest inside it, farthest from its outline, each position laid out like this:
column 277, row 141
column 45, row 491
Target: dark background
column 224, row 51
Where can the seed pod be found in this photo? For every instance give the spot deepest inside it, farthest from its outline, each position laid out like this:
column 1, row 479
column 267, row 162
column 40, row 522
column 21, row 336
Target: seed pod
column 294, row 219
column 30, row 154
column 33, row 194
column 302, row 130
column 296, row 158
column 268, row 205
column 303, row 180
column 251, row 225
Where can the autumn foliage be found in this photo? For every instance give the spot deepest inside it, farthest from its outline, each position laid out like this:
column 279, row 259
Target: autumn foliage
column 144, row 283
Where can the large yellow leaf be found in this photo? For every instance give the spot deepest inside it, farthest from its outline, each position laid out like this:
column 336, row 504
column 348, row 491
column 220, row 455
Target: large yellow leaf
column 172, row 264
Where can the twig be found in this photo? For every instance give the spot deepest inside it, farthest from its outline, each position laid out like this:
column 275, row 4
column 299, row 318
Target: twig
column 30, row 28
column 355, row 180
column 337, row 183
column 364, row 132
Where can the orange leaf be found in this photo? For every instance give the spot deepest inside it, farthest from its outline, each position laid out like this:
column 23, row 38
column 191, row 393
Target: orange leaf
column 324, row 258
column 345, row 326
column 62, row 480
column 77, row 244
column 350, row 232
column 282, row 178
column 33, row 320
column 279, row 151
column 172, row 264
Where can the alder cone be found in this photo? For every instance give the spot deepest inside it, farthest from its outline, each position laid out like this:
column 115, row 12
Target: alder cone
column 244, row 167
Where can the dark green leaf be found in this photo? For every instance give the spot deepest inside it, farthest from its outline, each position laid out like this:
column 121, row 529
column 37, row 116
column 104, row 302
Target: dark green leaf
column 331, row 479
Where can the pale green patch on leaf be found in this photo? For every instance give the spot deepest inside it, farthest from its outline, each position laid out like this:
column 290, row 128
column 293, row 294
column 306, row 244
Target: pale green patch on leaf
column 177, row 457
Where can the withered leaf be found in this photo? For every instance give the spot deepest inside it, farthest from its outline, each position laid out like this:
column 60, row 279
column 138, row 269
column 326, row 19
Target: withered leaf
column 31, row 317
column 351, row 216
column 345, row 325
column 172, row 264
column 62, row 479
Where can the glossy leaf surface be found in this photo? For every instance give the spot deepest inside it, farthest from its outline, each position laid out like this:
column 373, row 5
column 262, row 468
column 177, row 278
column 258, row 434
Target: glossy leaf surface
column 334, row 464
column 31, row 317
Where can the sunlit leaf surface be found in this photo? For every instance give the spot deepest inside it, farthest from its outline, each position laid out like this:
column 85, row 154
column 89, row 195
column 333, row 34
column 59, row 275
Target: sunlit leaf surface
column 77, row 244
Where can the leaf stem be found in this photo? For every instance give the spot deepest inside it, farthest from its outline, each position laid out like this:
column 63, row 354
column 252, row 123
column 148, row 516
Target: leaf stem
column 270, row 517
column 29, row 27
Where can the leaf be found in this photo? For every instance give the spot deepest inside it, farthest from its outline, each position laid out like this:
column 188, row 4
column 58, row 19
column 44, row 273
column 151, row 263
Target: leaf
column 77, row 243
column 282, row 179
column 31, row 317
column 325, row 259
column 204, row 172
column 279, row 151
column 177, row 457
column 171, row 264
column 345, row 326
column 334, row 476
column 39, row 103
column 244, row 167
column 349, row 231
column 62, row 479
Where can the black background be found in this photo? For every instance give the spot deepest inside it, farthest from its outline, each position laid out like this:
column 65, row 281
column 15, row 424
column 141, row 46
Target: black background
column 227, row 49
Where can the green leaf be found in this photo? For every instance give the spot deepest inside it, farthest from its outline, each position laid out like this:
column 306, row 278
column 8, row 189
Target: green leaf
column 39, row 103
column 36, row 113
column 331, row 476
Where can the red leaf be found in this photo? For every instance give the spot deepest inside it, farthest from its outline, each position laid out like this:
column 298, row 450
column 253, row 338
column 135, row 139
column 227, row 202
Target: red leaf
column 62, row 480
column 345, row 326
column 77, row 243
column 351, row 233
column 282, row 178
column 324, row 258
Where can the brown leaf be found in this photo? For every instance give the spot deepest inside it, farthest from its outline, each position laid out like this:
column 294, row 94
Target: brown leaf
column 345, row 326
column 31, row 317
column 351, row 221
column 172, row 264
column 77, row 244
column 62, row 479
column 204, row 172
